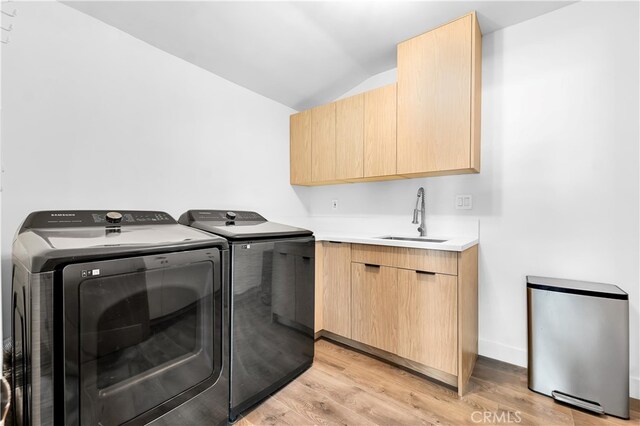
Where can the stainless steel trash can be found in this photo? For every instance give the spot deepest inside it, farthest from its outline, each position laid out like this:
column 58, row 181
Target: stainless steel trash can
column 579, row 343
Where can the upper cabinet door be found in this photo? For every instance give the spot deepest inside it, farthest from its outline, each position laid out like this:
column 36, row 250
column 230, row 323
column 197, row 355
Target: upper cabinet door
column 323, row 143
column 435, row 98
column 380, row 132
column 349, row 137
column 300, row 148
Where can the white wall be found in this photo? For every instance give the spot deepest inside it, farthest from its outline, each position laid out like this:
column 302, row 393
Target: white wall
column 2, row 333
column 96, row 119
column 558, row 193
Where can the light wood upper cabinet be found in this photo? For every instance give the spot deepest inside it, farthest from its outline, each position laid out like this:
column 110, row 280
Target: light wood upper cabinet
column 380, row 132
column 426, row 124
column 336, row 283
column 374, row 307
column 349, row 137
column 427, row 322
column 323, row 143
column 300, row 148
column 439, row 100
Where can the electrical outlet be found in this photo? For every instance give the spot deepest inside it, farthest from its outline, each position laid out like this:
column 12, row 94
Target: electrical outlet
column 464, row 202
column 334, row 204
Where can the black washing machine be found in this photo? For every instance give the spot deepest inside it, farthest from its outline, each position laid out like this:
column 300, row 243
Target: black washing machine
column 118, row 318
column 272, row 271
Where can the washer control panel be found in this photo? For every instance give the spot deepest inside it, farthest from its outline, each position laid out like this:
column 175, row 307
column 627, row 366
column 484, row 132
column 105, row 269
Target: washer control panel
column 226, row 216
column 108, row 218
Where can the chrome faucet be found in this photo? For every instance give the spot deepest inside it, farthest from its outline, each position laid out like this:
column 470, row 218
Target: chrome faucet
column 422, row 228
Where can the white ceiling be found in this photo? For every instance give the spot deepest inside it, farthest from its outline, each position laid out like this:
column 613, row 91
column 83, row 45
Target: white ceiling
column 300, row 54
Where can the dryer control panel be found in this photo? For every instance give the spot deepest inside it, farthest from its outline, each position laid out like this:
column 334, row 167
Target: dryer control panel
column 108, row 218
column 225, row 216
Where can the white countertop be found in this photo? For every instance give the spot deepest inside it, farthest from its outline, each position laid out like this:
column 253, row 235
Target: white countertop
column 459, row 233
column 451, row 243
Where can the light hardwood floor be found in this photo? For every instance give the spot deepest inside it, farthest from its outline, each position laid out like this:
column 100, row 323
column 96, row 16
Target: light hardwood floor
column 349, row 388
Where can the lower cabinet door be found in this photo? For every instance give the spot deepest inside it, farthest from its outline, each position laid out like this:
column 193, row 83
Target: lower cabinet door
column 427, row 319
column 336, row 281
column 374, row 308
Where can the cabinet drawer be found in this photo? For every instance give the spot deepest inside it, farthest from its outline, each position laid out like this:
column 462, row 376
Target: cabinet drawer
column 375, row 255
column 442, row 262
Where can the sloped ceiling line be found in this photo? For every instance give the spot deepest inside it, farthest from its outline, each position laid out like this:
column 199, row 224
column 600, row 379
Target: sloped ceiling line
column 300, row 54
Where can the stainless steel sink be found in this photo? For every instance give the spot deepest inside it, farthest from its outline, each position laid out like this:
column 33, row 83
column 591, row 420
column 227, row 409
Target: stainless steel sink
column 421, row 240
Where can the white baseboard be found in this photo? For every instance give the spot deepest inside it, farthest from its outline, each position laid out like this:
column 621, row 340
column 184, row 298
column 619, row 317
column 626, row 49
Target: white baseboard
column 518, row 356
column 634, row 387
column 502, row 352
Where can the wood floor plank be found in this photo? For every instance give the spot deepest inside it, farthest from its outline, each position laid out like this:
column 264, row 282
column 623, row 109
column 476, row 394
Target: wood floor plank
column 244, row 422
column 350, row 388
column 581, row 418
column 536, row 408
column 315, row 407
column 426, row 399
column 373, row 407
column 403, row 399
column 273, row 412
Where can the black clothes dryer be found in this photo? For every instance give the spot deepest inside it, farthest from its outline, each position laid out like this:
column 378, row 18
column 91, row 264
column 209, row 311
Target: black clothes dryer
column 272, row 301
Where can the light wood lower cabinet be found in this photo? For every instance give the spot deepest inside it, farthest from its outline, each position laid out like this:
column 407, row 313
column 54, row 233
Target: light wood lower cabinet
column 336, row 283
column 416, row 308
column 427, row 321
column 374, row 306
column 442, row 262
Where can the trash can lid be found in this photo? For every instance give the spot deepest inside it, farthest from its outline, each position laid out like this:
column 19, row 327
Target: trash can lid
column 585, row 288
